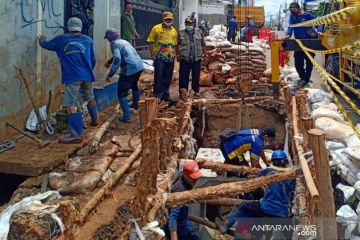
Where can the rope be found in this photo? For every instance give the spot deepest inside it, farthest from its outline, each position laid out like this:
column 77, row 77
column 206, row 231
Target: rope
column 324, row 76
column 331, row 18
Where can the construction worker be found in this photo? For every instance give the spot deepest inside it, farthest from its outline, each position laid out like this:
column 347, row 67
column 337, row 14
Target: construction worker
column 128, row 30
column 191, row 49
column 234, row 144
column 178, row 226
column 275, row 202
column 77, row 58
column 232, row 29
column 162, row 41
column 126, row 57
column 299, row 16
column 193, row 19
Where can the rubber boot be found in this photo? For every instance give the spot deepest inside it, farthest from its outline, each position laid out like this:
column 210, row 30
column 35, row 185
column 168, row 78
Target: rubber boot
column 126, row 117
column 135, row 101
column 93, row 114
column 76, row 129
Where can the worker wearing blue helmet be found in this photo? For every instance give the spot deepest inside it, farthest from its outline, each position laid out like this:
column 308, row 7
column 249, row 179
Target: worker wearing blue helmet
column 274, row 204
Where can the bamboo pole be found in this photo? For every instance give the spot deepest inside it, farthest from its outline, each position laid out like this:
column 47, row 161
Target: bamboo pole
column 307, row 123
column 93, row 147
column 109, row 185
column 300, row 150
column 221, row 167
column 327, row 213
column 227, row 189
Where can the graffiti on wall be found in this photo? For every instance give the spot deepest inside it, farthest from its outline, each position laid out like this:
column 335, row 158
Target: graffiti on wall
column 49, row 13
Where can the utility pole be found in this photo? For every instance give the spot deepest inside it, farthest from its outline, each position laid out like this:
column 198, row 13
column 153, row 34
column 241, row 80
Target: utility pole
column 279, row 17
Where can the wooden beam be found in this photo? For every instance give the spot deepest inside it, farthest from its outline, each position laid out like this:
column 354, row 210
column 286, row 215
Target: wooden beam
column 96, row 198
column 300, row 150
column 93, row 147
column 227, row 189
column 221, row 167
column 223, row 201
column 151, row 109
column 204, row 101
column 157, row 200
column 326, row 204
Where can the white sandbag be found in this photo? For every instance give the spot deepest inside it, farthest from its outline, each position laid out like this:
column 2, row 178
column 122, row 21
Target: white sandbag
column 292, row 77
column 148, row 69
column 324, row 112
column 287, row 70
column 317, row 95
column 225, row 69
column 334, row 145
column 352, row 141
column 347, row 190
column 333, row 130
column 349, row 217
column 35, row 203
column 353, row 153
column 357, row 188
column 325, row 104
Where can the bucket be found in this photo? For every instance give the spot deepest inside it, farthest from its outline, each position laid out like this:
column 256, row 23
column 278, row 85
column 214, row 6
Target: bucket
column 61, row 121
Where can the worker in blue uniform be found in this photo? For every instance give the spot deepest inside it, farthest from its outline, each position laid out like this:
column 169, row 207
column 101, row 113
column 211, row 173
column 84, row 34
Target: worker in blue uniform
column 299, row 16
column 178, row 226
column 274, row 204
column 77, row 59
column 234, row 144
column 232, row 29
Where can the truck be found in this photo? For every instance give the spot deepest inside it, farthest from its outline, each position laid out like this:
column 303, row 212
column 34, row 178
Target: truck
column 257, row 14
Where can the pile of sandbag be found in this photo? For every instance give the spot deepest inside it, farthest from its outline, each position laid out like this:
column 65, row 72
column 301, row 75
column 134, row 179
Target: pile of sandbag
column 226, row 62
column 344, row 149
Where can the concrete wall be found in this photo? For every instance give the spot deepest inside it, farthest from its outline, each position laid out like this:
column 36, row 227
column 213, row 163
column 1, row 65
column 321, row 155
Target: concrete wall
column 214, row 13
column 22, row 21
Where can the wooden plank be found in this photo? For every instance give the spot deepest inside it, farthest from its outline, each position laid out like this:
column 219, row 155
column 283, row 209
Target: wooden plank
column 326, row 204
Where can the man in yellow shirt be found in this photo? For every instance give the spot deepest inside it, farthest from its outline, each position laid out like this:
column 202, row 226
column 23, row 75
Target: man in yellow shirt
column 162, row 43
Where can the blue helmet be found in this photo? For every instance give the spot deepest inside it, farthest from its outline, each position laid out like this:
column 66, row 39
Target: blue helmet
column 279, row 157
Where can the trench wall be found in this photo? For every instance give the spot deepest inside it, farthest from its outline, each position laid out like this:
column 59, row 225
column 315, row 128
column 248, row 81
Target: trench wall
column 219, row 117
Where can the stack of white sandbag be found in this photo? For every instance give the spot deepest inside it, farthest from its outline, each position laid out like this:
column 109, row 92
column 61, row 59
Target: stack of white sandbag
column 344, row 148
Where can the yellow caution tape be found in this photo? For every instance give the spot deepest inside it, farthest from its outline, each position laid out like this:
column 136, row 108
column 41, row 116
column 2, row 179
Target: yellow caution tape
column 326, row 80
column 335, row 50
column 334, row 17
column 353, row 90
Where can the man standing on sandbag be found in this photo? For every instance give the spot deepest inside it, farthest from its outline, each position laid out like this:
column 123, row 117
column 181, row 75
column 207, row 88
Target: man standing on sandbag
column 178, row 226
column 77, row 58
column 274, row 203
column 191, row 49
column 126, row 57
column 162, row 41
column 232, row 29
column 299, row 16
column 234, row 144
